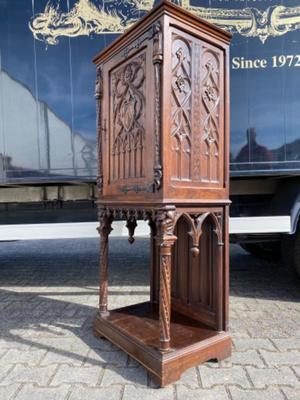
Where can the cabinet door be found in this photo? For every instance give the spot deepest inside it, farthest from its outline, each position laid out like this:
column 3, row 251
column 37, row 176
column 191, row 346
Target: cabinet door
column 128, row 120
column 197, row 112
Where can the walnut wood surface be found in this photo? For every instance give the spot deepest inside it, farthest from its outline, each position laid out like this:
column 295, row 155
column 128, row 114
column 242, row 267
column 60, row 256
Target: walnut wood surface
column 104, row 229
column 162, row 93
column 135, row 329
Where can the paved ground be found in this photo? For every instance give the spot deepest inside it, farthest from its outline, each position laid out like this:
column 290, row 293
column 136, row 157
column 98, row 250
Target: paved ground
column 48, row 296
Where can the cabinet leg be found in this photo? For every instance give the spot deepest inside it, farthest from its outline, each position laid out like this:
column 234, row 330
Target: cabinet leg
column 104, row 230
column 166, row 239
column 165, row 297
column 154, row 265
column 220, row 287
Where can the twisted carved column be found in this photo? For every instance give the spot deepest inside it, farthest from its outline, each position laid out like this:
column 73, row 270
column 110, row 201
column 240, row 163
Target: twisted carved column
column 154, row 264
column 219, row 273
column 165, row 236
column 220, row 286
column 98, row 97
column 157, row 61
column 104, row 230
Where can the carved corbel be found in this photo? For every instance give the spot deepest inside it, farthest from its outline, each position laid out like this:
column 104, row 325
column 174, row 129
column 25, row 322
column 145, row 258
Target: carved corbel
column 196, row 231
column 131, row 224
column 218, row 230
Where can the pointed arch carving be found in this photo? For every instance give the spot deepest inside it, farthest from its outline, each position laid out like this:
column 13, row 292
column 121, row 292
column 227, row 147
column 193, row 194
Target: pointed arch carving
column 195, row 285
column 195, row 222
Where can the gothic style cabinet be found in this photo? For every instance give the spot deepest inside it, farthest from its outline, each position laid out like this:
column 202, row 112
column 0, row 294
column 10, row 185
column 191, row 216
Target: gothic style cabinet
column 162, row 94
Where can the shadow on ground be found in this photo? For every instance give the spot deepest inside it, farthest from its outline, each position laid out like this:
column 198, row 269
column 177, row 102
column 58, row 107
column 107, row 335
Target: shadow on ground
column 49, row 292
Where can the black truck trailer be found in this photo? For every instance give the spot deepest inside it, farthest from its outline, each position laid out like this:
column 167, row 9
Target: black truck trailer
column 47, row 116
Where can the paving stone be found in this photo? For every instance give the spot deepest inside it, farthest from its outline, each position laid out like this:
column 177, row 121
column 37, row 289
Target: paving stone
column 219, row 364
column 189, row 378
column 4, row 304
column 49, row 295
column 50, row 330
column 248, row 357
column 281, row 358
column 238, row 306
column 98, row 357
column 7, row 343
column 137, row 393
column 83, row 375
column 135, row 376
column 259, row 331
column 271, row 376
column 133, row 363
column 183, row 393
column 75, row 357
column 8, row 392
column 287, row 344
column 239, row 333
column 253, row 343
column 21, row 373
column 297, row 370
column 30, row 358
column 96, row 343
column 254, row 315
column 79, row 393
column 31, row 392
column 61, row 343
column 266, row 394
column 291, row 394
column 235, row 375
column 2, row 352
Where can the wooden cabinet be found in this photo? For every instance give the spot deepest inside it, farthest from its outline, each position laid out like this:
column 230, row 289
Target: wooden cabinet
column 162, row 93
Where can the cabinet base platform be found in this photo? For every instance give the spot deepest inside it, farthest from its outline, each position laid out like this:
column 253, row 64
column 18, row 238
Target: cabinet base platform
column 135, row 329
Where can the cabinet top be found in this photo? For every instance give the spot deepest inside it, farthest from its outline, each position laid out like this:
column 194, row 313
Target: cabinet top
column 165, row 7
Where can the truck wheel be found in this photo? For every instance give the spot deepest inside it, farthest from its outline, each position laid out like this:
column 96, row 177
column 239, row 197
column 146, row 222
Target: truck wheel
column 291, row 251
column 270, row 251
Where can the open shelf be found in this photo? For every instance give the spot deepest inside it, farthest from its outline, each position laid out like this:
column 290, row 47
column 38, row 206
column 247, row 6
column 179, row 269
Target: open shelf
column 135, row 329
column 141, row 322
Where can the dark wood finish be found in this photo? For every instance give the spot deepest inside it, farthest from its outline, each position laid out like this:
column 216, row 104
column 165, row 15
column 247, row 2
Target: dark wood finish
column 105, row 220
column 136, row 330
column 162, row 93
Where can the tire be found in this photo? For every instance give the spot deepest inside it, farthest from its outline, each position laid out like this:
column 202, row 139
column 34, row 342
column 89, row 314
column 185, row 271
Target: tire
column 269, row 251
column 291, row 252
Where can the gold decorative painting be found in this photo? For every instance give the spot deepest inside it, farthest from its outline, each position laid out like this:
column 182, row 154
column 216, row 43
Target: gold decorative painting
column 87, row 18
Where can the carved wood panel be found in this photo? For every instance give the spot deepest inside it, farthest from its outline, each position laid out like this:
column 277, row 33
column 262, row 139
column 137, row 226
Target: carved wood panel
column 211, row 131
column 128, row 119
column 194, row 282
column 181, row 103
column 196, row 111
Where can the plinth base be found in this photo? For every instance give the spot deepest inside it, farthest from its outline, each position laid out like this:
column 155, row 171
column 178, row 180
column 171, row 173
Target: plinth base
column 135, row 329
